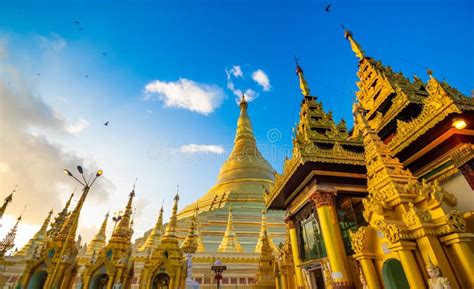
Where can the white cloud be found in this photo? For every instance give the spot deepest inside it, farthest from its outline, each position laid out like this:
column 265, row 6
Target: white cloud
column 236, row 71
column 187, row 94
column 260, row 77
column 30, row 159
column 195, row 148
column 54, row 43
column 250, row 94
column 75, row 128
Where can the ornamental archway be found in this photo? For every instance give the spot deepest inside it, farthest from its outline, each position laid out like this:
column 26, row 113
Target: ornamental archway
column 37, row 280
column 393, row 275
column 99, row 281
column 161, row 281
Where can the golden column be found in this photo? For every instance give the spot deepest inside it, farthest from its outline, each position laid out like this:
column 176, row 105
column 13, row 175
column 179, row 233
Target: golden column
column 324, row 203
column 295, row 252
column 410, row 267
column 460, row 252
column 368, row 269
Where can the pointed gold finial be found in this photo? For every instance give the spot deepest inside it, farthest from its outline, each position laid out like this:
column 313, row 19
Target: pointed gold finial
column 303, row 84
column 8, row 200
column 354, row 45
column 230, row 242
column 170, row 232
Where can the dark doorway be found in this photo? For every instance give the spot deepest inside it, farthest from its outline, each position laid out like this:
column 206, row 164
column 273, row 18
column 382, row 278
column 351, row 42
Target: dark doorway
column 161, row 281
column 393, row 275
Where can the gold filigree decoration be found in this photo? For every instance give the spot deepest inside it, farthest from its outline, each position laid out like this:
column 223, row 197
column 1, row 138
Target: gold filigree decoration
column 391, row 232
column 456, row 220
column 357, row 239
column 415, row 216
column 463, row 154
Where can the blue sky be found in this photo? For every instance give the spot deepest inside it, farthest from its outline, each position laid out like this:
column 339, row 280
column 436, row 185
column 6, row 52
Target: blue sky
column 159, row 43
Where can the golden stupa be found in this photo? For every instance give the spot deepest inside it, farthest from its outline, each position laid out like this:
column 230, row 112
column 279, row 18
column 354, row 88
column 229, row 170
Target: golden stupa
column 241, row 184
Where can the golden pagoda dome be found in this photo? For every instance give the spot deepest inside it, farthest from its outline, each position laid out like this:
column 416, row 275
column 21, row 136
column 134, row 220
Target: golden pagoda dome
column 243, row 176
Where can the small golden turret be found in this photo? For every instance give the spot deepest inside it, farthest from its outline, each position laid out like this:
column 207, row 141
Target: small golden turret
column 354, row 45
column 303, row 84
column 230, row 242
column 263, row 237
column 154, row 238
column 123, row 232
column 8, row 200
column 37, row 239
column 170, row 232
column 193, row 242
column 60, row 219
column 99, row 241
column 9, row 241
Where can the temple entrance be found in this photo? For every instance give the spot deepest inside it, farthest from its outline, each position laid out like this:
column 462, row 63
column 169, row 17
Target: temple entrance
column 37, row 280
column 99, row 281
column 393, row 275
column 161, row 281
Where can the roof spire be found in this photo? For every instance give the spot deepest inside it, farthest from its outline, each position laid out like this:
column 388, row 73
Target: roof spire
column 99, row 240
column 190, row 244
column 9, row 241
column 354, row 45
column 170, row 232
column 263, row 239
column 8, row 200
column 60, row 219
column 153, row 239
column 122, row 230
column 37, row 238
column 230, row 242
column 303, row 84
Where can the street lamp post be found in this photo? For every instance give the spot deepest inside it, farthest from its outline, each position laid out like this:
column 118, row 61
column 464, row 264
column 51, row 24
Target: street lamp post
column 87, row 184
column 218, row 269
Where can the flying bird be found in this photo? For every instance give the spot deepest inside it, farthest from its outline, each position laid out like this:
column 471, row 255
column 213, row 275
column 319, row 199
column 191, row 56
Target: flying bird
column 86, row 76
column 106, row 123
column 104, row 54
column 80, row 28
column 327, row 8
column 77, row 22
column 37, row 74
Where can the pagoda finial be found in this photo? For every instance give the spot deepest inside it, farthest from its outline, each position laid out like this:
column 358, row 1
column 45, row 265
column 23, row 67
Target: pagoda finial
column 122, row 230
column 154, row 238
column 230, row 242
column 429, row 72
column 243, row 102
column 99, row 240
column 60, row 219
column 303, row 84
column 171, row 228
column 9, row 241
column 190, row 243
column 354, row 45
column 8, row 200
column 37, row 239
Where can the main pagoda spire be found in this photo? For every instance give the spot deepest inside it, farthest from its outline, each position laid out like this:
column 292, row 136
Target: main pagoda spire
column 230, row 242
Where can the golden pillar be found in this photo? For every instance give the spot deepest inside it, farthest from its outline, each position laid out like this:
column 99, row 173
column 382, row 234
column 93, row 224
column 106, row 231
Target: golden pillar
column 461, row 254
column 324, row 202
column 296, row 255
column 284, row 282
column 410, row 267
column 368, row 269
column 432, row 247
